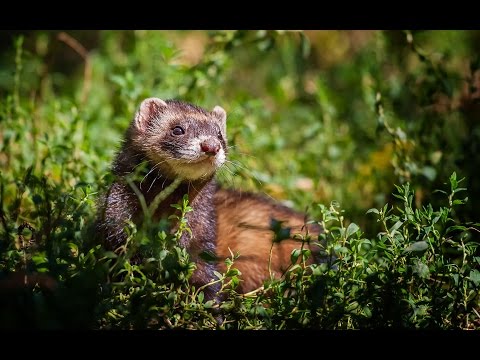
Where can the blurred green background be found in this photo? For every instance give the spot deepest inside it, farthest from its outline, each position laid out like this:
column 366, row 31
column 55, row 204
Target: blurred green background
column 313, row 117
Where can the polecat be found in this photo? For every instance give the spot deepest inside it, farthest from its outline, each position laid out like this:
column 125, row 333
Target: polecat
column 183, row 146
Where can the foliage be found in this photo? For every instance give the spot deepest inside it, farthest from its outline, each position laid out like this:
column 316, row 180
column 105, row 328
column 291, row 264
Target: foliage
column 314, row 118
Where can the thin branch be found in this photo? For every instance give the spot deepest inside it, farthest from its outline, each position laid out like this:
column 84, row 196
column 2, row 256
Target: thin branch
column 85, row 55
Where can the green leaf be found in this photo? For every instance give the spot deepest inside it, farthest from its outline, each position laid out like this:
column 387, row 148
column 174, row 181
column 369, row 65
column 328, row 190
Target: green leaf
column 455, row 227
column 460, row 202
column 232, row 272
column 472, row 294
column 39, row 259
column 421, row 270
column 475, row 277
column 455, row 279
column 417, row 246
column 294, row 256
column 453, row 181
column 208, row 256
column 367, row 312
column 396, row 226
column 209, row 304
column 372, row 210
column 235, row 281
column 340, row 249
column 176, row 206
column 110, row 255
column 163, row 254
column 351, row 229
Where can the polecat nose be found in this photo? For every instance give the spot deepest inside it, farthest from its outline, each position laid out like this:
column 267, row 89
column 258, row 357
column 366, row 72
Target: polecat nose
column 210, row 147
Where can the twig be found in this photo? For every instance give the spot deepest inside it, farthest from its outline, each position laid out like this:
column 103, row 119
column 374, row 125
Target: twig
column 85, row 55
column 253, row 292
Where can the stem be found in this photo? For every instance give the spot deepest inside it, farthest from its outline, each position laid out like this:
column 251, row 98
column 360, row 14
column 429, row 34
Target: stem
column 140, row 197
column 270, row 261
column 162, row 195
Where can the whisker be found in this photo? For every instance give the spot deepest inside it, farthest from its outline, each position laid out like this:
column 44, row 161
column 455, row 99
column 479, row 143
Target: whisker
column 152, row 169
column 228, row 175
column 153, row 182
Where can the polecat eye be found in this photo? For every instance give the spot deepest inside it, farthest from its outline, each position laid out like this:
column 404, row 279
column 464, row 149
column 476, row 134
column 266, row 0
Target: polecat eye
column 177, row 130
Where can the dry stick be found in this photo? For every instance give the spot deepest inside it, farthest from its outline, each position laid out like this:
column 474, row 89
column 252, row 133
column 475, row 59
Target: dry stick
column 80, row 50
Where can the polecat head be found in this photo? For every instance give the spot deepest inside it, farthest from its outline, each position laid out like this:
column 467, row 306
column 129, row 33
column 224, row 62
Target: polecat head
column 181, row 140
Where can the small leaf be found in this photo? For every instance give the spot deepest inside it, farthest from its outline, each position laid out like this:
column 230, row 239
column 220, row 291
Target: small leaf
column 294, row 256
column 475, row 277
column 208, row 304
column 455, row 227
column 421, row 270
column 455, row 279
column 367, row 312
column 110, row 255
column 39, row 259
column 417, row 246
column 201, row 296
column 453, row 181
column 294, row 268
column 373, row 210
column 351, row 229
column 472, row 294
column 340, row 249
column 460, row 202
column 208, row 256
column 235, row 281
column 396, row 226
column 232, row 272
column 163, row 254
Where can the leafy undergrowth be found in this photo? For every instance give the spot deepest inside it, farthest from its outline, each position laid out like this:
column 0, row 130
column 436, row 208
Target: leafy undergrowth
column 420, row 271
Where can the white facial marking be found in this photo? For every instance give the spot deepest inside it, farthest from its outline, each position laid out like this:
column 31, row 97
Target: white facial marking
column 194, row 163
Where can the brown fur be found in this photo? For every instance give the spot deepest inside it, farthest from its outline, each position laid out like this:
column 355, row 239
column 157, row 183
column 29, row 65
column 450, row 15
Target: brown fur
column 243, row 226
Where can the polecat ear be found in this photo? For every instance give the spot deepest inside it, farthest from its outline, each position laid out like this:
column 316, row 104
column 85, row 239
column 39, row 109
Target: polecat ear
column 221, row 115
column 149, row 109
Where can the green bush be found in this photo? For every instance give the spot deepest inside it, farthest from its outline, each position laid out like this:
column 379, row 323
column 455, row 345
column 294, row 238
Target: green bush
column 314, row 118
